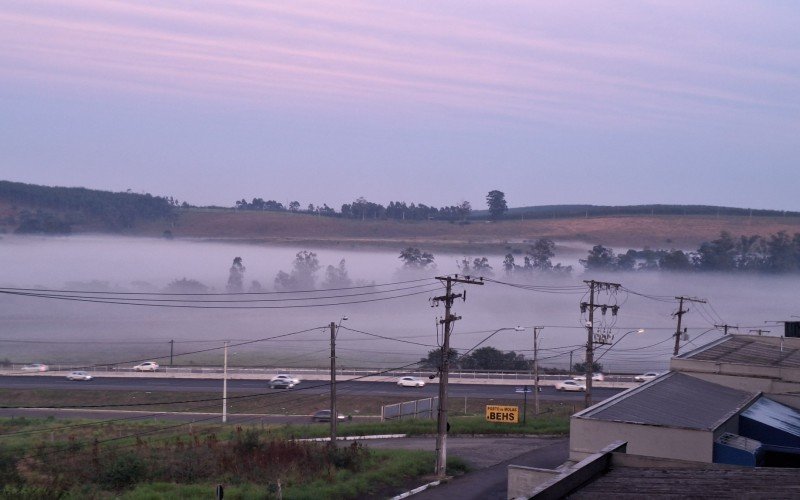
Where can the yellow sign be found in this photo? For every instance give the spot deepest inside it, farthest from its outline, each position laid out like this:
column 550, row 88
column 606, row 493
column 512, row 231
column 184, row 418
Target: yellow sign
column 505, row 414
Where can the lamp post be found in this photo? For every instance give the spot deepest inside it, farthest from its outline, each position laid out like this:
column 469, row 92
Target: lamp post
column 441, row 415
column 225, row 386
column 515, row 328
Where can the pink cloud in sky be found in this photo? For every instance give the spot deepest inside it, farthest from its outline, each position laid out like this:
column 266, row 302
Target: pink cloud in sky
column 524, row 60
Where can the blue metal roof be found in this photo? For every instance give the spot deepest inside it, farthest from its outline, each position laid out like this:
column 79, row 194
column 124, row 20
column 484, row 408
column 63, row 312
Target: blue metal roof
column 775, row 415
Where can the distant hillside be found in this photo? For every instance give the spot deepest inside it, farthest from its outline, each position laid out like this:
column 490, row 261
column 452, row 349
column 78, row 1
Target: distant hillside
column 549, row 211
column 28, row 208
column 658, row 231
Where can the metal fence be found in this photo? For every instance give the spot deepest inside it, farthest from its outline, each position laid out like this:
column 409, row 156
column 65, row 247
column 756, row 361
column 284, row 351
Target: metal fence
column 461, row 375
column 420, row 408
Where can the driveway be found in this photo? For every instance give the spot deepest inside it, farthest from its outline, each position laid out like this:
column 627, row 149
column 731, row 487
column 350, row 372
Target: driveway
column 489, row 457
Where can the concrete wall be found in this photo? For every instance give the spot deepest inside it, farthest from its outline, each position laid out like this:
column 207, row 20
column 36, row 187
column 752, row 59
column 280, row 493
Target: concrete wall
column 748, row 384
column 587, row 436
column 731, row 425
column 522, row 480
column 568, row 477
column 785, row 374
column 790, row 400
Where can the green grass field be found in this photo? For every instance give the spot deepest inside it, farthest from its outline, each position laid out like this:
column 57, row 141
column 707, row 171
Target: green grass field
column 93, row 459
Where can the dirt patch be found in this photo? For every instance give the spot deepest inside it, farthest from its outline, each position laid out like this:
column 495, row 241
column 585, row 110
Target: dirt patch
column 656, row 231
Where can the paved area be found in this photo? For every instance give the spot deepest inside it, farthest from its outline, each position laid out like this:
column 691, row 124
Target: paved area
column 490, row 457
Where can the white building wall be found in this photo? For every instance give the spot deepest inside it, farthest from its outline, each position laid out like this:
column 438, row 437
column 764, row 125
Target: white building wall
column 587, row 436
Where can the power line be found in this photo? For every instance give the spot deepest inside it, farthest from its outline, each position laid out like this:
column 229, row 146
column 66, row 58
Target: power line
column 205, row 350
column 126, row 296
column 209, row 294
column 657, row 298
column 387, row 338
column 569, row 290
column 192, row 306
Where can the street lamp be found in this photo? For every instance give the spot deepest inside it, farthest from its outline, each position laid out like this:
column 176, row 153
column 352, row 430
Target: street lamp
column 225, row 386
column 515, row 328
column 441, row 414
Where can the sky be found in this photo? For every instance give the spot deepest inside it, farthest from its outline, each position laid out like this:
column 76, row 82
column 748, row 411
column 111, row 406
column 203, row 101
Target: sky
column 602, row 102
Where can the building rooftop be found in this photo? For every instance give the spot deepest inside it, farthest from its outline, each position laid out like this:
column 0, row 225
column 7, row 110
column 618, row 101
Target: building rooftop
column 673, row 400
column 703, row 482
column 750, row 350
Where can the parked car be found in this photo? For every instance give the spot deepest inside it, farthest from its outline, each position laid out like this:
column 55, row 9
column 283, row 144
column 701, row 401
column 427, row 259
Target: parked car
column 570, row 385
column 598, row 377
column 325, row 416
column 282, row 376
column 644, row 377
column 410, row 382
column 79, row 375
column 280, row 383
column 147, row 366
column 35, row 367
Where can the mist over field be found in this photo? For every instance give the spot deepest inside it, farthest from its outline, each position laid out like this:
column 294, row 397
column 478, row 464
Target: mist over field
column 61, row 331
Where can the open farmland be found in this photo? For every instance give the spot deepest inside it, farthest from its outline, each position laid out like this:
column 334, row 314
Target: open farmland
column 659, row 231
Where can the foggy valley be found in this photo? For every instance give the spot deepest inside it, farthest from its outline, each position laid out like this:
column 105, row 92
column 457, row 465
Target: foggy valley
column 77, row 331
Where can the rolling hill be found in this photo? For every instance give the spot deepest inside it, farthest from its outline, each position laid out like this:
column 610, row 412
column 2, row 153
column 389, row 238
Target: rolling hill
column 671, row 226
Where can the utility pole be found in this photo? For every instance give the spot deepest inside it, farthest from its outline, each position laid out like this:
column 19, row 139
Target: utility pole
column 725, row 328
column 171, row 345
column 594, row 286
column 225, row 386
column 334, row 415
column 444, row 370
column 536, row 369
column 680, row 314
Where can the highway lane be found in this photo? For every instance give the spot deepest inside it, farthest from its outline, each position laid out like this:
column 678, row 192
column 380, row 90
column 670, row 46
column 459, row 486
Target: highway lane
column 189, row 385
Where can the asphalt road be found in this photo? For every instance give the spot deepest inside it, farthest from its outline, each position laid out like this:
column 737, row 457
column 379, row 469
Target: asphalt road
column 505, row 392
column 491, row 483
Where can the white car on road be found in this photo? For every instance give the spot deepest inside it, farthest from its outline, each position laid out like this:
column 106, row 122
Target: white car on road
column 597, row 377
column 410, row 382
column 570, row 385
column 147, row 366
column 35, row 367
column 293, row 381
column 79, row 375
column 644, row 377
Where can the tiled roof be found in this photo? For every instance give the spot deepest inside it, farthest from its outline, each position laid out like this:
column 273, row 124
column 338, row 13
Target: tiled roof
column 749, row 350
column 621, row 483
column 673, row 400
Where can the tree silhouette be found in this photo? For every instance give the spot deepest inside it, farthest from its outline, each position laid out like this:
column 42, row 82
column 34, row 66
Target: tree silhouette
column 236, row 276
column 496, row 200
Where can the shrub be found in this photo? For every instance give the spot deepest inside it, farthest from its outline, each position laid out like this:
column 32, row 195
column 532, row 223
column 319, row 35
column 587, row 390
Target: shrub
column 123, row 472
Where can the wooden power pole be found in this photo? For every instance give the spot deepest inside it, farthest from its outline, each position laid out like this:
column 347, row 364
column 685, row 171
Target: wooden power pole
column 680, row 314
column 444, row 369
column 536, row 330
column 334, row 415
column 594, row 286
